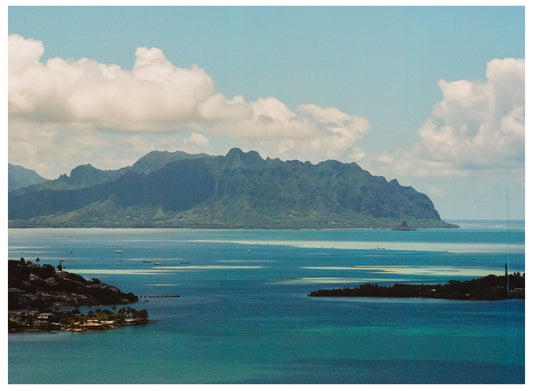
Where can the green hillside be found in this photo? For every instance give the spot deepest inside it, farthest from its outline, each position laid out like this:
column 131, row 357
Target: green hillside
column 20, row 177
column 239, row 190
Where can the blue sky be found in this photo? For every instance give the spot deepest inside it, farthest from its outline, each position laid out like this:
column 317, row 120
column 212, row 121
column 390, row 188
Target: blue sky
column 363, row 82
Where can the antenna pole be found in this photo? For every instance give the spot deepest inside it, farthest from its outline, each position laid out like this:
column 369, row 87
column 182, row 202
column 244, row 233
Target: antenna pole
column 508, row 242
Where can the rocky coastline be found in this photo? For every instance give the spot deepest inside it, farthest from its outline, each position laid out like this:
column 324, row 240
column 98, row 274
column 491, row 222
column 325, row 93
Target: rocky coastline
column 39, row 297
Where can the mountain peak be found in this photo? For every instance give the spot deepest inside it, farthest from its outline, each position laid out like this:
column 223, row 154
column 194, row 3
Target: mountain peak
column 158, row 159
column 240, row 190
column 20, row 177
column 249, row 157
column 87, row 175
column 82, row 169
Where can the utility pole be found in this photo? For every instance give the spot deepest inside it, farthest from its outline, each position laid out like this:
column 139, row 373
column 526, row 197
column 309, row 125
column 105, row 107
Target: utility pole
column 507, row 281
column 508, row 242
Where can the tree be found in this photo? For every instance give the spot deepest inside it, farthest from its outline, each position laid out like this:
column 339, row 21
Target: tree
column 143, row 314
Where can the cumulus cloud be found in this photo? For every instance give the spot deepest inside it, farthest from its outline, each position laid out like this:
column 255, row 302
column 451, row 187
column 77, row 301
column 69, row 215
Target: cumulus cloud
column 85, row 99
column 74, row 110
column 154, row 96
column 480, row 124
column 470, row 150
column 476, row 125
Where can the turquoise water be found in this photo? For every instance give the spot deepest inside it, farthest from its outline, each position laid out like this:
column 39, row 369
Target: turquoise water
column 243, row 315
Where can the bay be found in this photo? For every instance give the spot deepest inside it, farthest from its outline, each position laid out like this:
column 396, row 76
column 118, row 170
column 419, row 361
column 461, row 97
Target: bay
column 243, row 315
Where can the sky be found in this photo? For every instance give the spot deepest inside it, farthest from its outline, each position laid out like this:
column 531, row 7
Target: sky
column 431, row 96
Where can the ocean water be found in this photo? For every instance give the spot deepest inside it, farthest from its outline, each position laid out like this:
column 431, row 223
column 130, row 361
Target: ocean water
column 243, row 315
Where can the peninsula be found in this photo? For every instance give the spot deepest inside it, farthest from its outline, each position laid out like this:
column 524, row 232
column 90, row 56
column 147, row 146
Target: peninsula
column 238, row 190
column 37, row 293
column 490, row 287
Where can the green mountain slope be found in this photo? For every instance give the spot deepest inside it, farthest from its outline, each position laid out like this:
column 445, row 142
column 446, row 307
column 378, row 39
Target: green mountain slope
column 20, row 177
column 156, row 160
column 239, row 190
column 86, row 175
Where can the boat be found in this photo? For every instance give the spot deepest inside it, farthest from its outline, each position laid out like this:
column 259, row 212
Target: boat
column 118, row 251
column 146, row 261
column 156, row 263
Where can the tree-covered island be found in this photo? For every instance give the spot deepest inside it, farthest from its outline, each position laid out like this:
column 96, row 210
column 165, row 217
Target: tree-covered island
column 39, row 291
column 489, row 287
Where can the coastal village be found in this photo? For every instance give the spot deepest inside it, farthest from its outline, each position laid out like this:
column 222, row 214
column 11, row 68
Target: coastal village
column 37, row 293
column 34, row 321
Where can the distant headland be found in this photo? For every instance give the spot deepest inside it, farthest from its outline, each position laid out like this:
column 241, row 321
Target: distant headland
column 238, row 190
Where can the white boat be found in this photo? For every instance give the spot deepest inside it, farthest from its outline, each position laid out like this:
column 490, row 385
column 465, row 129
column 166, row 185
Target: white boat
column 118, row 251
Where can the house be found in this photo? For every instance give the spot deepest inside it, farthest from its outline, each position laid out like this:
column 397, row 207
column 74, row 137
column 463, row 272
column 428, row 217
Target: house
column 41, row 324
column 517, row 293
column 50, row 281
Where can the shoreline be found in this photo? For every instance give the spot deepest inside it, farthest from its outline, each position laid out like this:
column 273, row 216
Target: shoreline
column 34, row 289
column 33, row 321
column 487, row 288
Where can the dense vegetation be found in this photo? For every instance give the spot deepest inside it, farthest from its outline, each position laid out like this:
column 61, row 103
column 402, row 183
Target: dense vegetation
column 490, row 287
column 239, row 190
column 41, row 286
column 75, row 321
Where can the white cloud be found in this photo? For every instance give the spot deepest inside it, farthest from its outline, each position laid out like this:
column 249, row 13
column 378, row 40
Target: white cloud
column 68, row 112
column 83, row 99
column 471, row 148
column 154, row 96
column 476, row 125
column 216, row 108
column 198, row 140
column 480, row 124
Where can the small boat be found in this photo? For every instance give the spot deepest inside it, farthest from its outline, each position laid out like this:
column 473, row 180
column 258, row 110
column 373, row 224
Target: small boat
column 118, row 251
column 146, row 261
column 156, row 263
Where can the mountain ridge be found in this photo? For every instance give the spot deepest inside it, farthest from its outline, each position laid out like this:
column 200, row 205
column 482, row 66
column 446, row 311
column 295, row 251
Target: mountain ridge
column 238, row 190
column 20, row 177
column 86, row 175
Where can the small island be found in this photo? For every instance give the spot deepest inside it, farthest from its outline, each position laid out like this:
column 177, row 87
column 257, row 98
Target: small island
column 39, row 291
column 489, row 287
column 404, row 227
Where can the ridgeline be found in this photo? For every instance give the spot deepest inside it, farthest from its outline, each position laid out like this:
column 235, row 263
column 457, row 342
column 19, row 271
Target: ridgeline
column 239, row 190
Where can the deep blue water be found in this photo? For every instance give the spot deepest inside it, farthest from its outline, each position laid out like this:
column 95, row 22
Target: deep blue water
column 243, row 315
